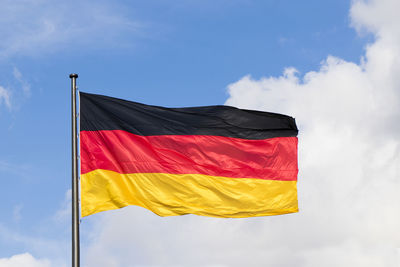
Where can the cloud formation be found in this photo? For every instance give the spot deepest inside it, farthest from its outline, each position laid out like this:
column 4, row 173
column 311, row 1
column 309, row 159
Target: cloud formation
column 50, row 252
column 5, row 97
column 35, row 27
column 39, row 27
column 349, row 154
column 26, row 260
column 17, row 91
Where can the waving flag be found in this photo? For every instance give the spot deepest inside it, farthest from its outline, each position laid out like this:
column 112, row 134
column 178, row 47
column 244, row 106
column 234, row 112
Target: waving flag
column 215, row 161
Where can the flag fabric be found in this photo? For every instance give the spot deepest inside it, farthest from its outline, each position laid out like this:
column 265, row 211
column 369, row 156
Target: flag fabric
column 215, row 161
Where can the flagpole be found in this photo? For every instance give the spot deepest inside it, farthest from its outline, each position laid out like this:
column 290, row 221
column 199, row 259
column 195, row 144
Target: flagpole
column 75, row 204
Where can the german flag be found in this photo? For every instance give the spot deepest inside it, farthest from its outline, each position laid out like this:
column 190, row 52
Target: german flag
column 215, row 161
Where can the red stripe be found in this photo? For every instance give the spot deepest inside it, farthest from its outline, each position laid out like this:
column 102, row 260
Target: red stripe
column 124, row 152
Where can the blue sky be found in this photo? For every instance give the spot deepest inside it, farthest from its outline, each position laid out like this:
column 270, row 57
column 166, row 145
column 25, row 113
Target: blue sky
column 331, row 64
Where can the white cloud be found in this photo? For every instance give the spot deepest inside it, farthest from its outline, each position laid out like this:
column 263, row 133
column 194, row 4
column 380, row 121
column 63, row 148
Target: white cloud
column 39, row 27
column 378, row 17
column 55, row 250
column 5, row 97
column 32, row 27
column 24, row 260
column 18, row 91
column 51, row 246
column 349, row 153
column 11, row 96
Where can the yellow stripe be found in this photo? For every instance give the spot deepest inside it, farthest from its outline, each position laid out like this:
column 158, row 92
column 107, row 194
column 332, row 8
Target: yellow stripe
column 178, row 194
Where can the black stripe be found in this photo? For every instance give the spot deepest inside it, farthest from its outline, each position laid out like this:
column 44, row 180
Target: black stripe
column 99, row 112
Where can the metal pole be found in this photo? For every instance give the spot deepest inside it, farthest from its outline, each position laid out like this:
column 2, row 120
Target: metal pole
column 75, row 188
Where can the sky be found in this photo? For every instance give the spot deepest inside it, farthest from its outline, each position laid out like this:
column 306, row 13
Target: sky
column 333, row 65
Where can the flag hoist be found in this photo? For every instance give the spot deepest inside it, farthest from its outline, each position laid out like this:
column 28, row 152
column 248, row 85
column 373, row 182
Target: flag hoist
column 217, row 161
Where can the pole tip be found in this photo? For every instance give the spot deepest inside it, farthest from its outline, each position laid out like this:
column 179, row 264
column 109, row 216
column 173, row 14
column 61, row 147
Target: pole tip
column 73, row 75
